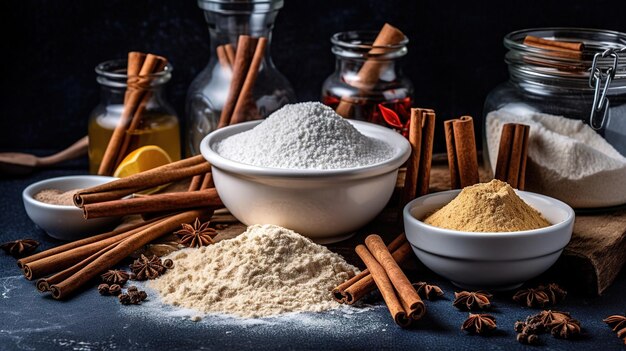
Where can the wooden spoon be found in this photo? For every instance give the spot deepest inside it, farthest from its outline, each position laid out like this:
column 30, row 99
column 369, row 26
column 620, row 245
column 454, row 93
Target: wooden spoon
column 17, row 163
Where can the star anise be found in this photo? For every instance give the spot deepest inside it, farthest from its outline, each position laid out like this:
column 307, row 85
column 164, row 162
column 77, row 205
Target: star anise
column 538, row 323
column 616, row 322
column 19, row 248
column 540, row 296
column 468, row 301
column 479, row 323
column 115, row 276
column 564, row 328
column 618, row 325
column 531, row 297
column 147, row 268
column 196, row 235
column 555, row 292
column 427, row 291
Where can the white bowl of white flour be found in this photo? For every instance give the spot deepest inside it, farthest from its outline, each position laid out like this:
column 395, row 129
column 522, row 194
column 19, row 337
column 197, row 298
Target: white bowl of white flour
column 306, row 169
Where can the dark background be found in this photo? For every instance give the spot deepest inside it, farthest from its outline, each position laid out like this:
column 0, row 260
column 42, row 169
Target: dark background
column 50, row 49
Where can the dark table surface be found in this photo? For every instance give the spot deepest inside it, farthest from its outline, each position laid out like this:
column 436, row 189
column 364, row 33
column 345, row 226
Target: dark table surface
column 88, row 321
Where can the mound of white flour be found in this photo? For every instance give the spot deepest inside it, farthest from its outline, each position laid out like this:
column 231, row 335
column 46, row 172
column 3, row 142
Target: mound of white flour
column 307, row 135
column 566, row 158
column 265, row 271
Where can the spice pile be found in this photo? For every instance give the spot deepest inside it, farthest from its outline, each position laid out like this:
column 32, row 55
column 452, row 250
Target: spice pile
column 487, row 207
column 56, row 196
column 267, row 270
column 307, row 135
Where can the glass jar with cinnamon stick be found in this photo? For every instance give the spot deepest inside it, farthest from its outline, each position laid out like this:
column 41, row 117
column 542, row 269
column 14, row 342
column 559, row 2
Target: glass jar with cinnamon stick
column 150, row 121
column 564, row 107
column 368, row 83
column 240, row 82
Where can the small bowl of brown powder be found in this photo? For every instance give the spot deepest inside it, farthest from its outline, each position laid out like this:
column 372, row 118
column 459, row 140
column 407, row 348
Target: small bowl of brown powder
column 488, row 236
column 49, row 205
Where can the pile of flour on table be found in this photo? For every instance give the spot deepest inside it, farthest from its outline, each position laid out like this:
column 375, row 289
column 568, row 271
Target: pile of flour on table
column 265, row 271
column 307, row 135
column 566, row 158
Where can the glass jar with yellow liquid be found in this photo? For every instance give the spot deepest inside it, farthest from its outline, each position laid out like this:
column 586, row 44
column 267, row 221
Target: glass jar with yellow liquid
column 159, row 124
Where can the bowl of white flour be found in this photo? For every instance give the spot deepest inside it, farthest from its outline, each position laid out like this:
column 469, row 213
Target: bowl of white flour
column 307, row 169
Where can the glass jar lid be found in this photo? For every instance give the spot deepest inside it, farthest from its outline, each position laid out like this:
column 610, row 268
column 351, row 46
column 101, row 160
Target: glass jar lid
column 541, row 62
column 233, row 7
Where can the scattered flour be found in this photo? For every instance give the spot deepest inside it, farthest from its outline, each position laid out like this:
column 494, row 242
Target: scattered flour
column 306, row 135
column 265, row 271
column 566, row 158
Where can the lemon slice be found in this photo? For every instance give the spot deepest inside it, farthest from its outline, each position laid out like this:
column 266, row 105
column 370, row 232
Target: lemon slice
column 142, row 159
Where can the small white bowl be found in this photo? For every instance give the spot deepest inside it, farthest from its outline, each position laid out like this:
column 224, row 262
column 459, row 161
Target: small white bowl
column 491, row 261
column 65, row 222
column 325, row 205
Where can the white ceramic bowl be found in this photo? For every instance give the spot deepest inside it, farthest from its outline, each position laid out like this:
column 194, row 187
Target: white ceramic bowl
column 325, row 205
column 65, row 222
column 493, row 261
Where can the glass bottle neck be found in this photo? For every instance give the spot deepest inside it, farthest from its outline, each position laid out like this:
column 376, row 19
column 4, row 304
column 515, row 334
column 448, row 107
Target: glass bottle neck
column 226, row 28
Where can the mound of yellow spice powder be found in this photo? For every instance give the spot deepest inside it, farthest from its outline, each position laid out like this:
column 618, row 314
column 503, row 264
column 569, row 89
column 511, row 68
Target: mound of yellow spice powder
column 487, row 207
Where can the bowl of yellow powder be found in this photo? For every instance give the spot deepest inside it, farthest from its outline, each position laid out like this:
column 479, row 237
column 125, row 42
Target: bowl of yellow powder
column 489, row 235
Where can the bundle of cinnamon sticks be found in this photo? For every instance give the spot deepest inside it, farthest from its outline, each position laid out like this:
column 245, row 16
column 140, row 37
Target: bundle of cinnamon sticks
column 462, row 154
column 64, row 269
column 370, row 72
column 421, row 138
column 245, row 63
column 512, row 155
column 108, row 200
column 383, row 272
column 140, row 72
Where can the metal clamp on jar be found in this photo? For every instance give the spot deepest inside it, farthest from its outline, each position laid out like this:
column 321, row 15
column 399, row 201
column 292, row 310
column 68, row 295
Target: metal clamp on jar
column 575, row 104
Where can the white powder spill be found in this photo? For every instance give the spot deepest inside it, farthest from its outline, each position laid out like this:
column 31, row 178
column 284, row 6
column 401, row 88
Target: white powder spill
column 265, row 271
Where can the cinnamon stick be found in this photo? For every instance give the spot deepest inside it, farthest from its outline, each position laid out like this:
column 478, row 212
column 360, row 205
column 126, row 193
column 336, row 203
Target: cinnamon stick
column 174, row 171
column 557, row 48
column 61, row 260
column 406, row 291
column 398, row 313
column 412, row 168
column 207, row 198
column 512, row 154
column 243, row 58
column 361, row 284
column 222, row 57
column 195, row 183
column 43, row 284
column 80, row 243
column 370, row 72
column 207, row 182
column 455, row 181
column 131, row 98
column 230, row 53
column 245, row 96
column 152, row 64
column 462, row 155
column 122, row 250
column 428, row 138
